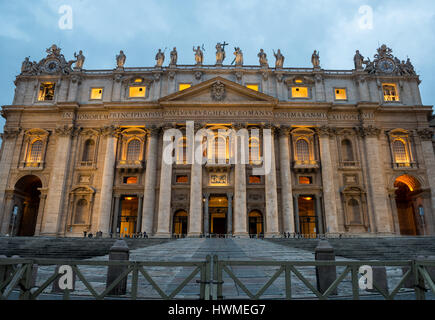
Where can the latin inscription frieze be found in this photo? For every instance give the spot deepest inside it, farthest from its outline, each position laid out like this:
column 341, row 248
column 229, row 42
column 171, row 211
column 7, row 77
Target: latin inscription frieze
column 336, row 116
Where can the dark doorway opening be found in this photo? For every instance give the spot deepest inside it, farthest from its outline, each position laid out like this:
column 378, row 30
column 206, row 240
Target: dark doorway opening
column 27, row 197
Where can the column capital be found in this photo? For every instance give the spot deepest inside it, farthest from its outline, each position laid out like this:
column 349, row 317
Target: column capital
column 325, row 131
column 283, row 130
column 66, row 131
column 110, row 131
column 11, row 133
column 154, row 131
column 230, row 195
column 425, row 134
column 206, row 195
column 369, row 131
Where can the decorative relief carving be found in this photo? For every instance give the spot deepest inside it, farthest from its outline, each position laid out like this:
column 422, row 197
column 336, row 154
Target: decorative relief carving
column 425, row 134
column 218, row 91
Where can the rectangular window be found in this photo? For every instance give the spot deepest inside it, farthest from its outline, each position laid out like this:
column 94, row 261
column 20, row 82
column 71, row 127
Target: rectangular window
column 130, row 180
column 299, row 92
column 183, row 86
column 137, row 92
column 340, row 94
column 96, row 93
column 46, row 91
column 390, row 92
column 305, row 180
column 182, row 179
column 252, row 86
column 255, row 179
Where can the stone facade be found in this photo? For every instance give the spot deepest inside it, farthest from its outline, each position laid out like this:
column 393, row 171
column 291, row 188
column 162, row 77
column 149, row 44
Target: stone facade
column 83, row 150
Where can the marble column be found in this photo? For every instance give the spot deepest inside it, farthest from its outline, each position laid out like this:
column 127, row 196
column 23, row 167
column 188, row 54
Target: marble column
column 206, row 214
column 240, row 214
column 230, row 213
column 296, row 215
column 392, row 197
column 195, row 200
column 319, row 214
column 329, row 188
column 286, row 182
column 9, row 141
column 8, row 207
column 272, row 225
column 149, row 203
column 139, row 216
column 116, row 215
column 377, row 184
column 57, row 185
column 164, row 213
column 106, row 193
column 429, row 161
column 40, row 217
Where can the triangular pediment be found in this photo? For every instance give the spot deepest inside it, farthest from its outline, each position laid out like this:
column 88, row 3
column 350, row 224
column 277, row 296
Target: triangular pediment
column 218, row 91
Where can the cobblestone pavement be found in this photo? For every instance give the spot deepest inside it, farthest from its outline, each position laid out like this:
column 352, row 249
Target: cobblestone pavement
column 253, row 277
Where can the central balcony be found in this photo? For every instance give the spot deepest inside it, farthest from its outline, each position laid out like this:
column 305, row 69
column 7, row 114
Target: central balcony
column 130, row 165
column 306, row 165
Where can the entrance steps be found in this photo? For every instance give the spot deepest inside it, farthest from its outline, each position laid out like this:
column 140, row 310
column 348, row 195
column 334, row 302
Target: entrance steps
column 385, row 248
column 66, row 248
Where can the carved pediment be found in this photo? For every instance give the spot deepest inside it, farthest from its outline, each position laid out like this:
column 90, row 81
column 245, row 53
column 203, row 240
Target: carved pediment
column 218, row 91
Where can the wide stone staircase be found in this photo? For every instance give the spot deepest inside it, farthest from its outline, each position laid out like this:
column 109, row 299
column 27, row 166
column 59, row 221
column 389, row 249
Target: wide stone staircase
column 66, row 248
column 394, row 248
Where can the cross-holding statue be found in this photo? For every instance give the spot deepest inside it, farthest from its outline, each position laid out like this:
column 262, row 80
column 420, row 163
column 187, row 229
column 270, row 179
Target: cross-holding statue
column 220, row 52
column 358, row 60
column 263, row 59
column 160, row 58
column 239, row 57
column 80, row 60
column 174, row 57
column 279, row 59
column 120, row 60
column 198, row 55
column 315, row 59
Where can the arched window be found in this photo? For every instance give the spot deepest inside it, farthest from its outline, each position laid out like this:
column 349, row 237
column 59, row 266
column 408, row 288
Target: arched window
column 354, row 211
column 36, row 151
column 399, row 151
column 133, row 150
column 182, row 151
column 302, row 150
column 88, row 150
column 254, row 150
column 81, row 208
column 346, row 150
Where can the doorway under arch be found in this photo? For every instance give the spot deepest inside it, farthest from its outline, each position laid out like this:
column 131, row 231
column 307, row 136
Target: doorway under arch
column 179, row 226
column 27, row 197
column 407, row 193
column 255, row 223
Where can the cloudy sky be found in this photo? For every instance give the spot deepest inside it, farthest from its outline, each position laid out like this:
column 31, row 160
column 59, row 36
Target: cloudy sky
column 139, row 27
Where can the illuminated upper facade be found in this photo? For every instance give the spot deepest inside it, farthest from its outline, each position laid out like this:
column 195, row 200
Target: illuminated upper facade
column 348, row 151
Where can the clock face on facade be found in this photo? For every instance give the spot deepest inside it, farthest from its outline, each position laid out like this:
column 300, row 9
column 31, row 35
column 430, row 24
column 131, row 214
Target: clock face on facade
column 51, row 66
column 386, row 65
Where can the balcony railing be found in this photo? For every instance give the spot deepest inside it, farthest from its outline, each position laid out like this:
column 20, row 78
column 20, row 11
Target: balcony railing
column 306, row 165
column 130, row 165
column 405, row 165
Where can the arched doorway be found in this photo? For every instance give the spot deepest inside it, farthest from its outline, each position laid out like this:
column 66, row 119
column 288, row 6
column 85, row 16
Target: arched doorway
column 27, row 202
column 255, row 223
column 179, row 226
column 407, row 192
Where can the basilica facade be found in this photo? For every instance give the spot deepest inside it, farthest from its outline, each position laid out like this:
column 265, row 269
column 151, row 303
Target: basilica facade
column 327, row 151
